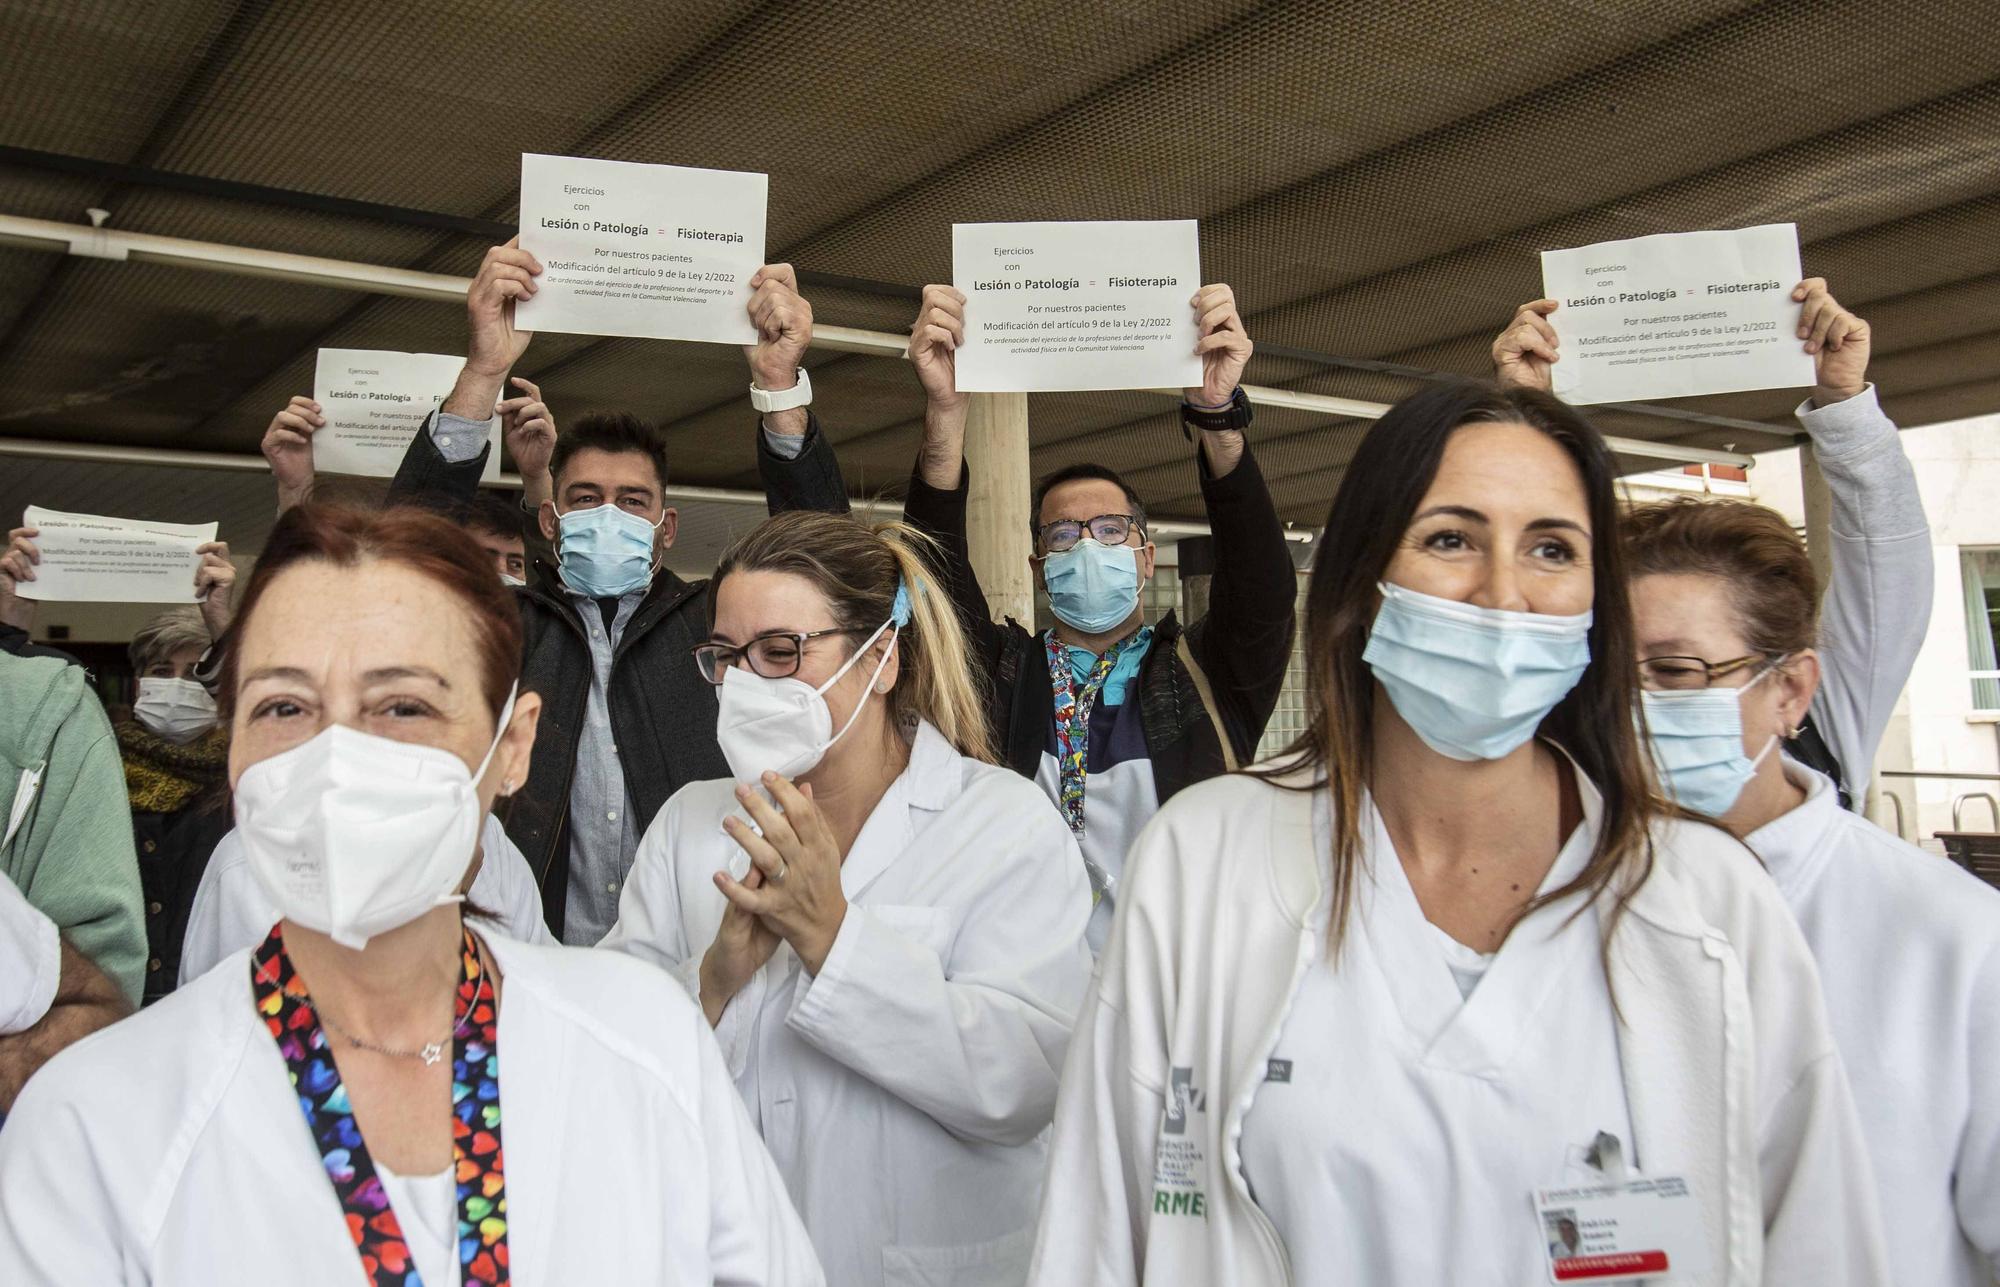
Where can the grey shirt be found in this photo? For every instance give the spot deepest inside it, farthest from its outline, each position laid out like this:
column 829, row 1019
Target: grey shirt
column 458, row 439
column 603, row 834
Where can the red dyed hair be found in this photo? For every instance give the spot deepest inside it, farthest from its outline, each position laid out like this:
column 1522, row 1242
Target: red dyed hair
column 415, row 538
column 1752, row 550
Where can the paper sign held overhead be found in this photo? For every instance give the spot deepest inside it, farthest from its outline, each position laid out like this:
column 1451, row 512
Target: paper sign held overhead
column 1065, row 306
column 1677, row 314
column 91, row 558
column 656, row 251
column 374, row 401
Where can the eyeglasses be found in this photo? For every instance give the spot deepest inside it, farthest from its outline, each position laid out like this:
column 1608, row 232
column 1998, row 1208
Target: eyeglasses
column 1105, row 529
column 774, row 656
column 1683, row 674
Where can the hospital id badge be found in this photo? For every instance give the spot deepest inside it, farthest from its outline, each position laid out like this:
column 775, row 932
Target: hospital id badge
column 1646, row 1229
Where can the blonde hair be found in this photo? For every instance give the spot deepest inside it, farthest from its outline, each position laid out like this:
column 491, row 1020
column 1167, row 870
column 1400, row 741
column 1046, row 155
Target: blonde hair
column 859, row 569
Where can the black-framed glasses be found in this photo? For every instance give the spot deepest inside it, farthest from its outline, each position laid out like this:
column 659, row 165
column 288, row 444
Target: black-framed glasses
column 774, row 656
column 1686, row 674
column 1105, row 529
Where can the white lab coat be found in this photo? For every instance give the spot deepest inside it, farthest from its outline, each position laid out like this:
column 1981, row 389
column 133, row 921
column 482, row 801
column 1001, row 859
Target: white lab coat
column 1908, row 947
column 231, row 910
column 1472, row 1101
column 1731, row 1076
column 30, row 961
column 169, row 1149
column 905, row 1092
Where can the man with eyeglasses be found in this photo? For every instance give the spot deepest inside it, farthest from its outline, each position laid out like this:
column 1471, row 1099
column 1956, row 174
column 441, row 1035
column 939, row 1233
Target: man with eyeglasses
column 1112, row 716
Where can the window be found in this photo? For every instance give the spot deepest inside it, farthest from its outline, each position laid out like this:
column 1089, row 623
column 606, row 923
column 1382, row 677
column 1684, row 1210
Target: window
column 1979, row 569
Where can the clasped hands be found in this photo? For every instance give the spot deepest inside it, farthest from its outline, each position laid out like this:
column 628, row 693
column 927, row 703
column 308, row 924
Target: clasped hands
column 791, row 894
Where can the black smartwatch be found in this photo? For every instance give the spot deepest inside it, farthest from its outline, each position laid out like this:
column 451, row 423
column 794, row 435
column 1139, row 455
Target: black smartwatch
column 1234, row 416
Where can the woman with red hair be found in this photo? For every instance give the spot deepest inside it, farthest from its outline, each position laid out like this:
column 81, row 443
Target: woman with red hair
column 339, row 1095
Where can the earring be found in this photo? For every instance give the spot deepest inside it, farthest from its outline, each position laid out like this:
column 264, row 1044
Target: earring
column 507, row 787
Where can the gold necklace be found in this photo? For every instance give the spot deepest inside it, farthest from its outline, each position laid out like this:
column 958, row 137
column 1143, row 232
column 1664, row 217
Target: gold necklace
column 430, row 1053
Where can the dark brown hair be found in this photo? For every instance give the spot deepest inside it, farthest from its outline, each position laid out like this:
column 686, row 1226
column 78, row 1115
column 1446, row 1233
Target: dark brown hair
column 419, row 540
column 1085, row 472
column 614, row 432
column 1752, row 550
column 1379, row 493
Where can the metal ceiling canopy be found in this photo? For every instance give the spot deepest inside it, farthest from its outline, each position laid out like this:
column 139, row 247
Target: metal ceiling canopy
column 1374, row 180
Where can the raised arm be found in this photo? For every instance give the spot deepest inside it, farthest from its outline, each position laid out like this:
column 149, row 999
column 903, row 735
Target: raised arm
column 447, row 456
column 1877, row 603
column 940, row 481
column 288, row 446
column 529, row 429
column 17, row 564
column 1254, row 587
column 794, row 459
column 1525, row 351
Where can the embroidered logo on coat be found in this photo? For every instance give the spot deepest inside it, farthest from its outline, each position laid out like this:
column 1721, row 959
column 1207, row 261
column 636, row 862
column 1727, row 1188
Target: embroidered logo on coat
column 1182, row 1098
column 1180, row 1167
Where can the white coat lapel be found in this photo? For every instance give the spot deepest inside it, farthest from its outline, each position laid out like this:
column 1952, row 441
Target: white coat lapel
column 534, row 1099
column 927, row 782
column 1685, row 1048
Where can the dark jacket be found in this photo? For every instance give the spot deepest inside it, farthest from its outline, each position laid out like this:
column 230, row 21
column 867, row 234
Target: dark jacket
column 179, row 796
column 662, row 710
column 1242, row 643
column 17, row 641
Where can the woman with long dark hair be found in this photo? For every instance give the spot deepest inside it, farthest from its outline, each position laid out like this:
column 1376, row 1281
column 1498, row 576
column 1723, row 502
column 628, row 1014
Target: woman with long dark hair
column 1449, row 972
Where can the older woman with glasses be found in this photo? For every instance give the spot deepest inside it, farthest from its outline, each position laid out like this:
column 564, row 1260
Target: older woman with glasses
column 1908, row 945
column 1740, row 655
column 379, row 1092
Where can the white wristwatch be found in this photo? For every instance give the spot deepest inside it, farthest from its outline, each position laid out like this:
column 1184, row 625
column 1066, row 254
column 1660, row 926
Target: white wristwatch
column 799, row 395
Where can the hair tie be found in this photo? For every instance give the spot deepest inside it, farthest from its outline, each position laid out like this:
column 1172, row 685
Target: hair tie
column 899, row 611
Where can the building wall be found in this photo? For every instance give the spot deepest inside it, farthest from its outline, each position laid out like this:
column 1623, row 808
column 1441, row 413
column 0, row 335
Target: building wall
column 1936, row 728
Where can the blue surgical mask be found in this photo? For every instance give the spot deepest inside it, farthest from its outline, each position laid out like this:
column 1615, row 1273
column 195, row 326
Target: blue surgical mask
column 1092, row 587
column 1697, row 744
column 605, row 552
column 1475, row 683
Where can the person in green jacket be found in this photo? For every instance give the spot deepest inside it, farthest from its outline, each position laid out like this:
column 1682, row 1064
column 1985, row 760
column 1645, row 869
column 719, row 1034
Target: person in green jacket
column 66, row 825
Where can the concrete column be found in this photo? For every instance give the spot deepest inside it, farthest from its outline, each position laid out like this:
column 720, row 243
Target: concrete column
column 997, row 517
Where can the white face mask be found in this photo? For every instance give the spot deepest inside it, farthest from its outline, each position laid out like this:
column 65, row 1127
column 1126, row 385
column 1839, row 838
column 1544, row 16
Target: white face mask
column 354, row 835
column 783, row 726
column 179, row 710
